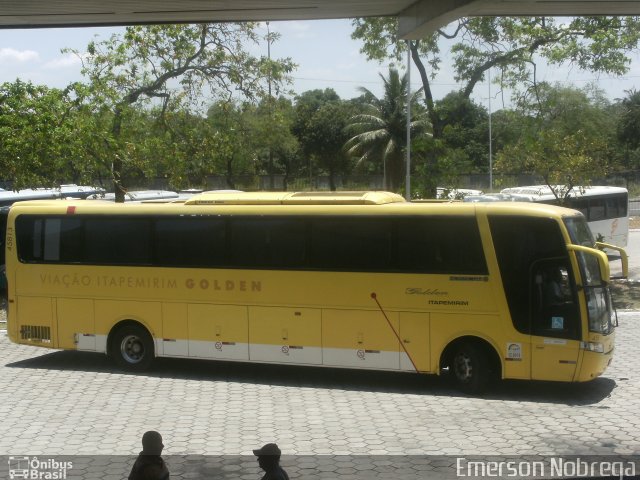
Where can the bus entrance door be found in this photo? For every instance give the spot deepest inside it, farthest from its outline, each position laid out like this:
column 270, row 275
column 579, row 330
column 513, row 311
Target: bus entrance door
column 555, row 322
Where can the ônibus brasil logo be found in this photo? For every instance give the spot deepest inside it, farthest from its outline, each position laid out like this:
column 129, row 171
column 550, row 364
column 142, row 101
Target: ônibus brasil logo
column 35, row 468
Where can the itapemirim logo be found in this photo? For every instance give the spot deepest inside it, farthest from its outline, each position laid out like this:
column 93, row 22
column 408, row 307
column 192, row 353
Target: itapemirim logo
column 36, row 468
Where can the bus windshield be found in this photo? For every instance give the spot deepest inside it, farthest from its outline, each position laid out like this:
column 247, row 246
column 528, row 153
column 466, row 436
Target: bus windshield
column 579, row 231
column 597, row 294
column 599, row 308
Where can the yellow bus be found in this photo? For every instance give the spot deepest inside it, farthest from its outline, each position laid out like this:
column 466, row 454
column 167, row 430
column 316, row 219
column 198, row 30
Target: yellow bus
column 360, row 280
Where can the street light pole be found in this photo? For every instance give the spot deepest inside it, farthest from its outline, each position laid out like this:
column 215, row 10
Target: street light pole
column 271, row 182
column 490, row 141
column 407, row 193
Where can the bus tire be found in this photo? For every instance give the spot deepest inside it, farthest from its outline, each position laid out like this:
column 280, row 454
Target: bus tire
column 132, row 348
column 470, row 368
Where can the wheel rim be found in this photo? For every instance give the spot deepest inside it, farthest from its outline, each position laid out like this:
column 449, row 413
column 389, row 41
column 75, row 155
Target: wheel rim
column 132, row 349
column 463, row 367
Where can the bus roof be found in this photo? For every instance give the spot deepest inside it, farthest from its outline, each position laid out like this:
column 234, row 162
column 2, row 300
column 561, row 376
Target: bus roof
column 278, row 203
column 7, row 197
column 295, row 198
column 544, row 192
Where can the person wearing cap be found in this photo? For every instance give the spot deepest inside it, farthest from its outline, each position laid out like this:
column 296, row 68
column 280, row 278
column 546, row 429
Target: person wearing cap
column 149, row 465
column 269, row 461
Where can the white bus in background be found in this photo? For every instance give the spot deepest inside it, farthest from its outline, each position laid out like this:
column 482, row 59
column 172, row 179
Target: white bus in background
column 444, row 193
column 605, row 208
column 8, row 197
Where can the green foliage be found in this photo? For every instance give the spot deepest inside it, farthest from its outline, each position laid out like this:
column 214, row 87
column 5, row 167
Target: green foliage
column 465, row 134
column 274, row 145
column 628, row 127
column 511, row 45
column 320, row 121
column 379, row 134
column 565, row 136
column 171, row 66
column 41, row 136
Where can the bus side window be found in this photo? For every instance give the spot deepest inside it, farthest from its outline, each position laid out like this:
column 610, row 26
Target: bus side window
column 268, row 242
column 445, row 245
column 117, row 241
column 581, row 205
column 190, row 242
column 596, row 209
column 612, row 207
column 354, row 243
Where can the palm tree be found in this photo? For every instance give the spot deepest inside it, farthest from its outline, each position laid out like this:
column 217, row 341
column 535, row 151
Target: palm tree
column 381, row 131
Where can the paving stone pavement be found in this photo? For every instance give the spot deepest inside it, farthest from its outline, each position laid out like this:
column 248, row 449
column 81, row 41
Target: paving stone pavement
column 55, row 403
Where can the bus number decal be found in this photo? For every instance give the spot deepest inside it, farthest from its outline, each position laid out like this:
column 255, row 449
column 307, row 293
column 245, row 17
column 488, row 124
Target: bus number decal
column 9, row 239
column 514, row 352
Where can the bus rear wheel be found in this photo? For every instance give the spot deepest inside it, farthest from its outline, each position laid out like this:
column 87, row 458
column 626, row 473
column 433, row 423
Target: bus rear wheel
column 470, row 368
column 132, row 348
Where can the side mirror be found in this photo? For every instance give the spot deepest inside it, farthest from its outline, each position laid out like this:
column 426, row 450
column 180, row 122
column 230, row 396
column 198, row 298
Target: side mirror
column 599, row 255
column 622, row 256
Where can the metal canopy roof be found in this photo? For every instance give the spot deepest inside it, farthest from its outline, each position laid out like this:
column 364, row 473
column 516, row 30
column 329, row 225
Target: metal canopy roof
column 416, row 17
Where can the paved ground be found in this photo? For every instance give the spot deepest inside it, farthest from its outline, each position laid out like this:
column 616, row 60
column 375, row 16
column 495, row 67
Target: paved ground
column 72, row 403
column 334, row 423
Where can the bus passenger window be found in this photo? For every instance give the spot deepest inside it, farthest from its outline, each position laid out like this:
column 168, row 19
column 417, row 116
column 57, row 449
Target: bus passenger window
column 581, row 205
column 359, row 244
column 121, row 241
column 596, row 209
column 190, row 242
column 448, row 245
column 268, row 243
column 612, row 207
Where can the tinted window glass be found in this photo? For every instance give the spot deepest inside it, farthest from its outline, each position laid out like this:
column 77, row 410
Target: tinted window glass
column 49, row 240
column 190, row 242
column 612, row 204
column 623, row 202
column 520, row 242
column 28, row 239
column 440, row 245
column 580, row 204
column 122, row 241
column 71, row 240
column 360, row 244
column 268, row 242
column 596, row 209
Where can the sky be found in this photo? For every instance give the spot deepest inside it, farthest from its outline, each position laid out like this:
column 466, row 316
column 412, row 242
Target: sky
column 326, row 56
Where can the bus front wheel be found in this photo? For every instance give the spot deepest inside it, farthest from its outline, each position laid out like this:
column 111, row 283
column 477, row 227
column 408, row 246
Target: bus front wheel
column 132, row 348
column 470, row 368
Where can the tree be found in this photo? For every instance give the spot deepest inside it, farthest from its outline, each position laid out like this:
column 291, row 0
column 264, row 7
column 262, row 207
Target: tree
column 381, row 131
column 320, row 121
column 171, row 64
column 273, row 144
column 41, row 136
column 231, row 135
column 566, row 138
column 628, row 127
column 511, row 45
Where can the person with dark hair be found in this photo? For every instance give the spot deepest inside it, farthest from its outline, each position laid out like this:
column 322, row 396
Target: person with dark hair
column 269, row 461
column 149, row 465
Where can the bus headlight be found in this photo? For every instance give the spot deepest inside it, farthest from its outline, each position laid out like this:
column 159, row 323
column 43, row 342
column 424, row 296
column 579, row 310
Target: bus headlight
column 593, row 347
